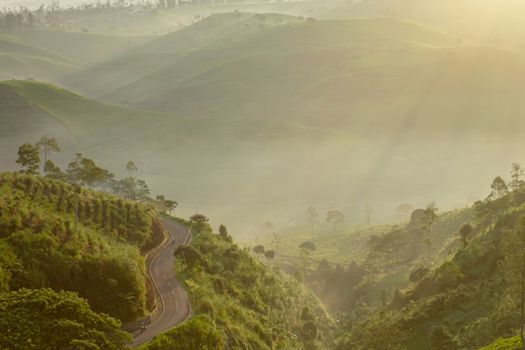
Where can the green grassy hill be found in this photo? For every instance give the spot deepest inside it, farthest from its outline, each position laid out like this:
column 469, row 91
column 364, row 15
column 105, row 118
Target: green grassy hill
column 49, row 55
column 491, row 22
column 239, row 303
column 396, row 98
column 98, row 256
column 162, row 144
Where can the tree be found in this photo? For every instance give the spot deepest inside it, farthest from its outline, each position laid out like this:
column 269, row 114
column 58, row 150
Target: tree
column 29, row 158
column 516, row 175
column 223, row 231
column 513, row 244
column 168, row 205
column 52, row 171
column 199, row 218
column 430, row 216
column 47, row 145
column 382, row 331
column 306, row 249
column 259, row 249
column 131, row 168
column 465, row 231
column 44, row 319
column 499, row 187
column 335, row 217
column 312, row 215
column 84, row 172
column 269, row 254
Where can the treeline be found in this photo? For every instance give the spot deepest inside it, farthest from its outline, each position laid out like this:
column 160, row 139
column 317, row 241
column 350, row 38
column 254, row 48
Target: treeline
column 54, row 15
column 84, row 172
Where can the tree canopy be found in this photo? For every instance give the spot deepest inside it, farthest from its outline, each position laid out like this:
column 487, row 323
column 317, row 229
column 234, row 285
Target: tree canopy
column 42, row 319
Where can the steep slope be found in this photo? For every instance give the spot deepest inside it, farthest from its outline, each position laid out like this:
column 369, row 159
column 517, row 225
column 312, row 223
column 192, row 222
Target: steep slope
column 469, row 299
column 95, row 252
column 239, row 303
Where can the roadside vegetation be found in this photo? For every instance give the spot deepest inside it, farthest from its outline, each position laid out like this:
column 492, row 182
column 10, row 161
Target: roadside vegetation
column 239, row 301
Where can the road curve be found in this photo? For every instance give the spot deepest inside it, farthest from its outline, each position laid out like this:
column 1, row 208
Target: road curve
column 172, row 302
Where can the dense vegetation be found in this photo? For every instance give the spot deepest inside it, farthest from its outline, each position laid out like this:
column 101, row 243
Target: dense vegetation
column 240, row 302
column 45, row 320
column 66, row 237
column 470, row 299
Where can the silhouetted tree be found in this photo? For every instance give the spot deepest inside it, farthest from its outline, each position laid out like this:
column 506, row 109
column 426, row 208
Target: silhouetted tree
column 52, row 171
column 47, row 145
column 516, row 175
column 335, row 217
column 199, row 218
column 312, row 215
column 223, row 231
column 29, row 158
column 131, row 168
column 499, row 187
column 259, row 249
column 465, row 231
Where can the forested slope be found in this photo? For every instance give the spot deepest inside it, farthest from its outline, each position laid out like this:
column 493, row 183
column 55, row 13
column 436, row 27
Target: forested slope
column 65, row 237
column 239, row 303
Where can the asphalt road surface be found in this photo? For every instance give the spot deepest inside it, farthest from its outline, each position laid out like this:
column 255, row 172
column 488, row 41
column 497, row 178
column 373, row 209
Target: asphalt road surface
column 173, row 303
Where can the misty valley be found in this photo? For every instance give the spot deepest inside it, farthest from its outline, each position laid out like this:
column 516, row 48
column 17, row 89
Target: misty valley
column 262, row 175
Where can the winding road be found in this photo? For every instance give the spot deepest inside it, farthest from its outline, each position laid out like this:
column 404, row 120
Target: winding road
column 173, row 306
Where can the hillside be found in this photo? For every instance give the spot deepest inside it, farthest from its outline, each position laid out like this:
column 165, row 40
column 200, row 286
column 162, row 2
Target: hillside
column 392, row 100
column 468, row 300
column 353, row 265
column 162, row 144
column 239, row 303
column 49, row 55
column 486, row 22
column 98, row 255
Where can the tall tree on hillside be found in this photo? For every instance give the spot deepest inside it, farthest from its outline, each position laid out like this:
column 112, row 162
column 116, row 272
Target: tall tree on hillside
column 131, row 168
column 430, row 216
column 85, row 172
column 465, row 231
column 499, row 187
column 29, row 158
column 513, row 244
column 52, row 171
column 312, row 215
column 47, row 145
column 516, row 174
column 335, row 217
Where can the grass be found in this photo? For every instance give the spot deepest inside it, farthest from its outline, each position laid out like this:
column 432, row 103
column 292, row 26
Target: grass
column 341, row 246
column 248, row 304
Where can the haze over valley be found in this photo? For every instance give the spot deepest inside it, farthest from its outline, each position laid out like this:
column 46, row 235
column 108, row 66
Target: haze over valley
column 385, row 121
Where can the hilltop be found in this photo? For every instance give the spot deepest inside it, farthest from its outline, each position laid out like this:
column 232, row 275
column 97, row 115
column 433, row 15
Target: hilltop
column 488, row 22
